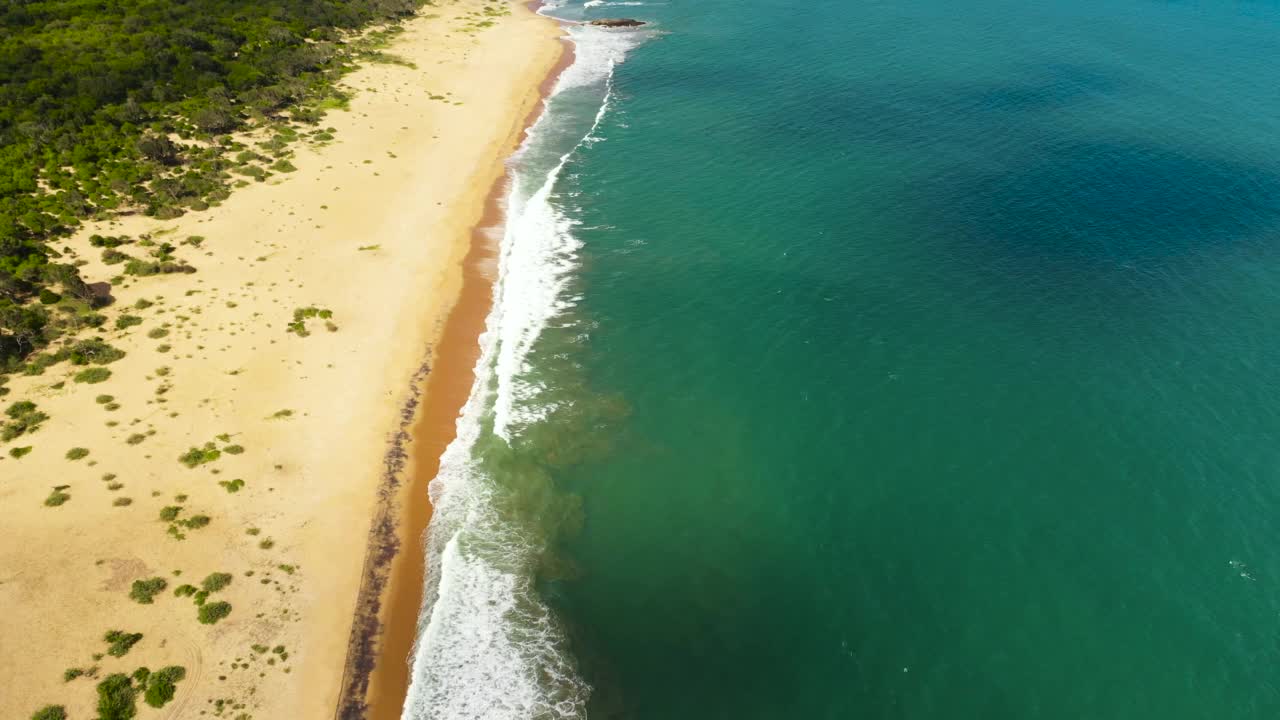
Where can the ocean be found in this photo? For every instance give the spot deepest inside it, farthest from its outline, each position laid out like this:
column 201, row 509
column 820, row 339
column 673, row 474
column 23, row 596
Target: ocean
column 878, row 360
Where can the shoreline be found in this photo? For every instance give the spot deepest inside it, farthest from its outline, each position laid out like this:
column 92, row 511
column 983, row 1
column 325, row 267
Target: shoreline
column 440, row 397
column 373, row 226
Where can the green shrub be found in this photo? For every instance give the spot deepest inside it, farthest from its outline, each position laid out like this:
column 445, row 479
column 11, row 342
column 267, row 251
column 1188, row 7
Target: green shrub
column 216, row 581
column 57, row 497
column 211, row 613
column 199, row 456
column 103, row 399
column 77, row 453
column 116, row 698
column 91, row 352
column 161, row 685
column 23, row 418
column 72, row 673
column 184, row 590
column 17, row 452
column 92, row 375
column 169, row 513
column 195, row 522
column 232, row 486
column 50, row 712
column 143, row 591
column 157, row 333
column 122, row 502
column 233, row 449
column 120, row 642
column 127, row 321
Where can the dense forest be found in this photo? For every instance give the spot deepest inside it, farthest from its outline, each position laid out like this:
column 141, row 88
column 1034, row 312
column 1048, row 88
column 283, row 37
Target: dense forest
column 102, row 103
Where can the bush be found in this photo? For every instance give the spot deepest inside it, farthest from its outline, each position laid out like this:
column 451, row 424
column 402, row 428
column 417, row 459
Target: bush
column 77, row 453
column 184, row 590
column 215, row 582
column 116, row 698
column 211, row 613
column 50, row 712
column 120, row 642
column 135, row 438
column 92, row 376
column 17, row 452
column 195, row 522
column 23, row 418
column 157, row 333
column 143, row 591
column 232, row 486
column 169, row 513
column 57, row 497
column 199, row 456
column 127, row 321
column 95, row 351
column 161, row 685
column 122, row 502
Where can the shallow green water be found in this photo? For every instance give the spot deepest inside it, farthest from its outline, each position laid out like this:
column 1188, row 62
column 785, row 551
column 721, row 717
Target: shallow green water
column 946, row 337
column 879, row 360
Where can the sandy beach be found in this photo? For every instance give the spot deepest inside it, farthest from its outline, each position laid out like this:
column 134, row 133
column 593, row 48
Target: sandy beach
column 373, row 230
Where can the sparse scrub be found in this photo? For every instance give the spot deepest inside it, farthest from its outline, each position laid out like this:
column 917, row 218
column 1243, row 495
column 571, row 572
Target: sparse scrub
column 57, row 497
column 210, row 613
column 120, row 642
column 215, row 582
column 143, row 591
column 127, row 321
column 50, row 712
column 92, row 375
column 18, row 452
column 199, row 456
column 23, row 418
column 77, row 453
column 232, row 486
column 162, row 685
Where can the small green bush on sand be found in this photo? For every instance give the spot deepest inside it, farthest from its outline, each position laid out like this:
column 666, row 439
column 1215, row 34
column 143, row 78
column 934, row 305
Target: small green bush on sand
column 211, row 613
column 143, row 591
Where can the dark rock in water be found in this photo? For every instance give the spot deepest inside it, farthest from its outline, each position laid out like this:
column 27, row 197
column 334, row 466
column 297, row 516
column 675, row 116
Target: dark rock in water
column 617, row 22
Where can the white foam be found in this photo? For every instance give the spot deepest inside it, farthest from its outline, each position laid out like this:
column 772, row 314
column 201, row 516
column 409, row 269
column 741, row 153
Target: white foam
column 488, row 647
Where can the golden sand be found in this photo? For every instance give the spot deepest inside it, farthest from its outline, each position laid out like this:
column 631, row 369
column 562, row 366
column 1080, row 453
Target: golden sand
column 375, row 228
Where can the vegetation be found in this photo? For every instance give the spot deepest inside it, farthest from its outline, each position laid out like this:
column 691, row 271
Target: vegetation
column 57, row 497
column 17, row 452
column 143, row 591
column 116, row 698
column 161, row 685
column 50, row 712
column 232, row 486
column 199, row 456
column 99, row 110
column 169, row 513
column 23, row 418
column 211, row 613
column 120, row 642
column 92, row 375
column 77, row 453
column 215, row 582
column 301, row 315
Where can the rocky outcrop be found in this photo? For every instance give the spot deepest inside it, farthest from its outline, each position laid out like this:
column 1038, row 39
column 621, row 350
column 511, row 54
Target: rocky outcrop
column 617, row 22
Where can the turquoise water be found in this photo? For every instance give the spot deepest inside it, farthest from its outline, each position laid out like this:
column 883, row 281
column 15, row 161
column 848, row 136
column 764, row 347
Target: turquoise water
column 910, row 360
